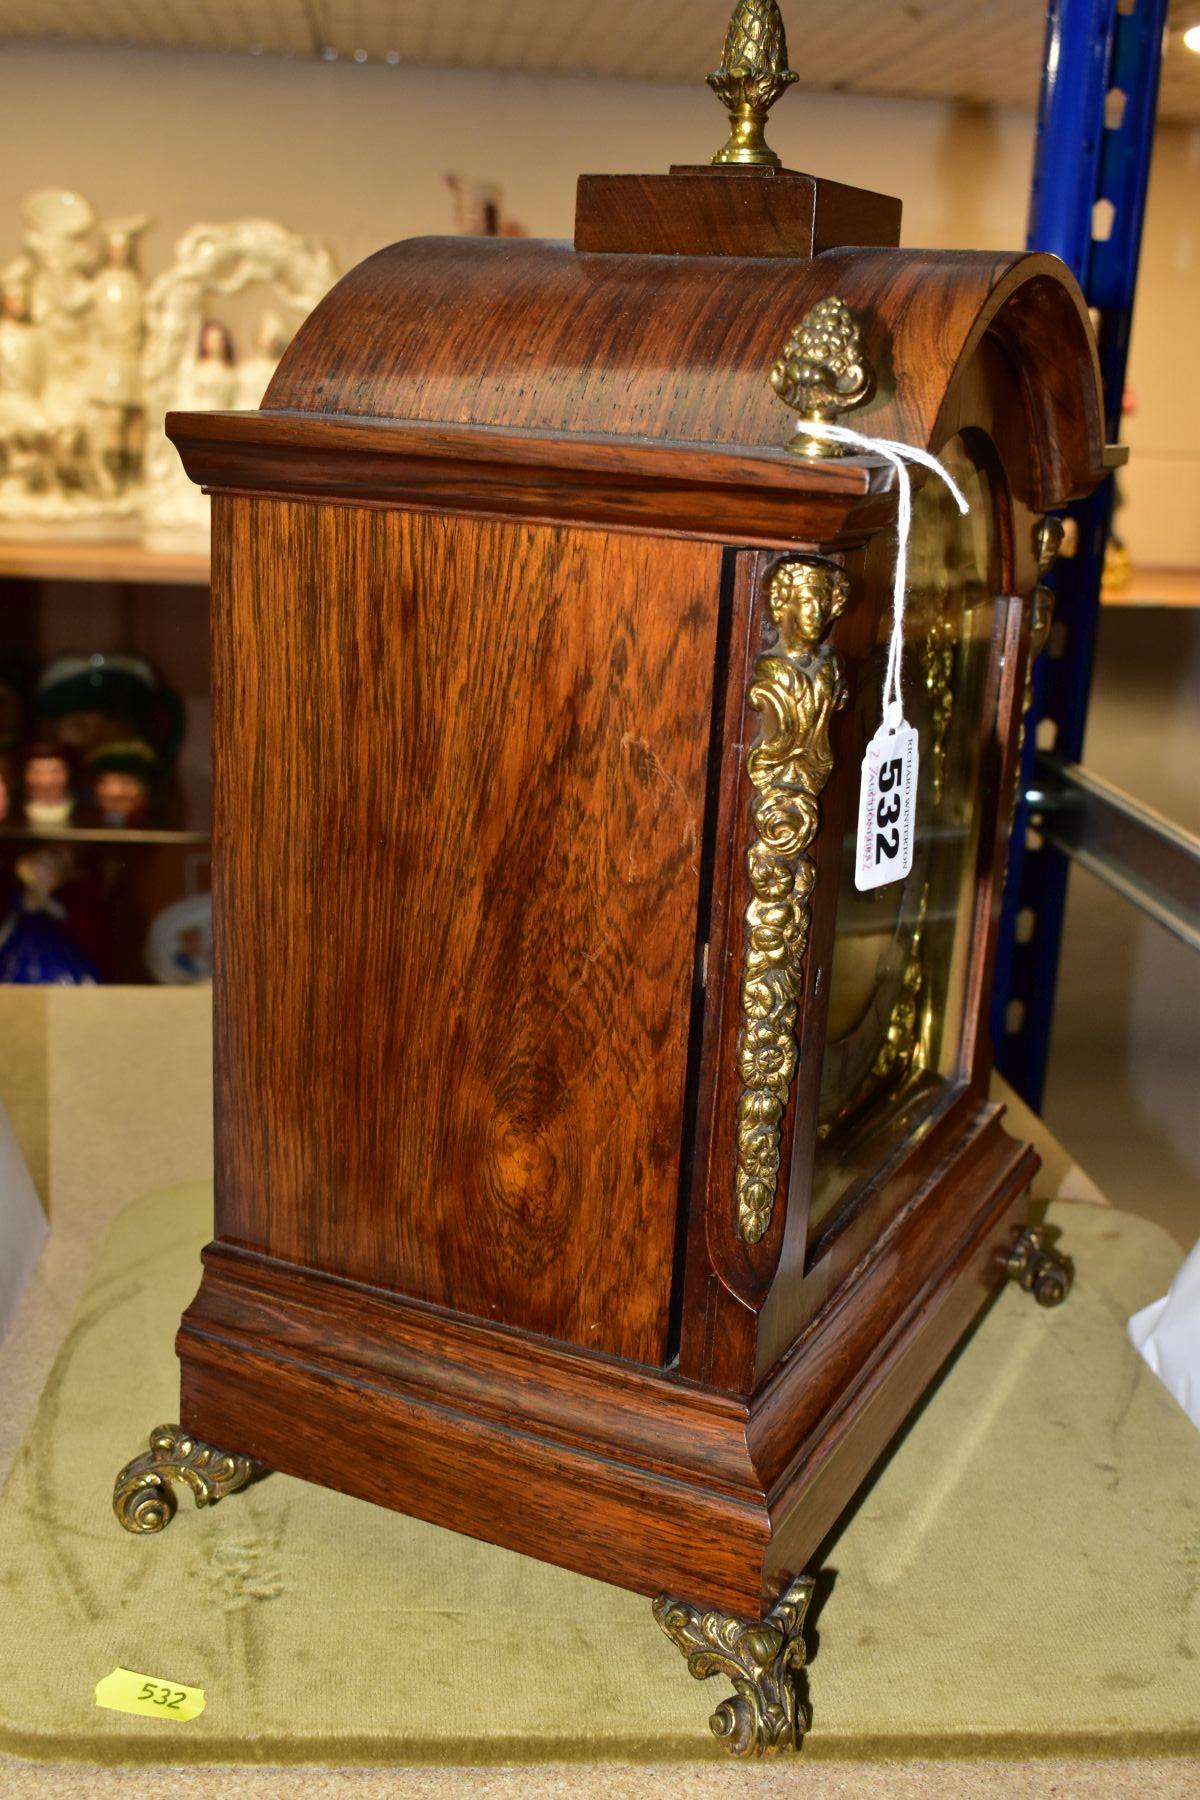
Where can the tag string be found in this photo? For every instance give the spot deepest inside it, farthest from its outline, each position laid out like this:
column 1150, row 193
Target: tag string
column 899, row 455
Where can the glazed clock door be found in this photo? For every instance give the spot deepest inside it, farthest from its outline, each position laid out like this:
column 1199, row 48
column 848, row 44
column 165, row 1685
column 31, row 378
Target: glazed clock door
column 898, row 979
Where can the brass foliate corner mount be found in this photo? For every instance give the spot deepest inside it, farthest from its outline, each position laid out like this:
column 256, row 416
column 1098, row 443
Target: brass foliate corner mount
column 796, row 689
column 822, row 371
column 752, row 76
column 1038, row 1268
column 143, row 1498
column 764, row 1715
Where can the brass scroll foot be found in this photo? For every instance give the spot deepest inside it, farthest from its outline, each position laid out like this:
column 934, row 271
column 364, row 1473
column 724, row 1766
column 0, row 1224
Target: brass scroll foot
column 762, row 1659
column 143, row 1498
column 1038, row 1268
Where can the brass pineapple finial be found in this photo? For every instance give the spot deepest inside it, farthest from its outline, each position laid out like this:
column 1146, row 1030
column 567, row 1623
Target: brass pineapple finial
column 822, row 371
column 752, row 76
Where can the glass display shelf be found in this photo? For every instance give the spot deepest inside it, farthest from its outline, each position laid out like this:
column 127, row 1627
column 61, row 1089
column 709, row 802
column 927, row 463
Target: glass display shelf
column 1148, row 586
column 119, row 561
column 100, row 834
column 182, row 819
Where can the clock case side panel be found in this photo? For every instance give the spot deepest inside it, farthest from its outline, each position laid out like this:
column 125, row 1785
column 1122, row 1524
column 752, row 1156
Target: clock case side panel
column 420, row 1084
column 557, row 1450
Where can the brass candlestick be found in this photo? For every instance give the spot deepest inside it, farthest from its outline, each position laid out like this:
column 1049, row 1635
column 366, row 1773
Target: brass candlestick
column 752, row 76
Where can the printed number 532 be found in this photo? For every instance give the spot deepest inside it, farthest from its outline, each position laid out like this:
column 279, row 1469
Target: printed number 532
column 162, row 1695
column 887, row 811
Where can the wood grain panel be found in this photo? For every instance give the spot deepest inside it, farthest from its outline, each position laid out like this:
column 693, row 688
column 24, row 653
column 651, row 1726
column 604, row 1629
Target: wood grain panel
column 564, row 1506
column 730, row 494
column 460, row 787
column 728, row 211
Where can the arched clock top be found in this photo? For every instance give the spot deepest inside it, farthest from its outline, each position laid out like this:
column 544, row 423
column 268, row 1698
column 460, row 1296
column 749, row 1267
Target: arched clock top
column 534, row 336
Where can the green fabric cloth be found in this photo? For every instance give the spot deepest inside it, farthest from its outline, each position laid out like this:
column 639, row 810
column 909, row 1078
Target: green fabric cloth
column 1021, row 1577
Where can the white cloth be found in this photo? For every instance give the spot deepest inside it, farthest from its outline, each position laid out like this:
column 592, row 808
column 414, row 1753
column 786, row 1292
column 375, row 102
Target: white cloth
column 1167, row 1334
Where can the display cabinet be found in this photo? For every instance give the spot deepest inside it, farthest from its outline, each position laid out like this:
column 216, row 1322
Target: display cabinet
column 86, row 602
column 599, row 1172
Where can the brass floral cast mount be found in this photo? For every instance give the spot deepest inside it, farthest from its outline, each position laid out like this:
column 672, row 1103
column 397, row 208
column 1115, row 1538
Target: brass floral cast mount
column 752, row 76
column 1038, row 1268
column 144, row 1499
column 796, row 688
column 821, row 372
column 764, row 1715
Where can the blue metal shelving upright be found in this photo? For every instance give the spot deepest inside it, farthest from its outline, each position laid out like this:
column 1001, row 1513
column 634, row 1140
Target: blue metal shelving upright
column 1095, row 129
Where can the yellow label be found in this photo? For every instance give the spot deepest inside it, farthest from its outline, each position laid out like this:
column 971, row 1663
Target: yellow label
column 123, row 1691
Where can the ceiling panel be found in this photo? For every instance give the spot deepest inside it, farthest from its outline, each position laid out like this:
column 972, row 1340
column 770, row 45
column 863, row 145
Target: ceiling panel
column 986, row 51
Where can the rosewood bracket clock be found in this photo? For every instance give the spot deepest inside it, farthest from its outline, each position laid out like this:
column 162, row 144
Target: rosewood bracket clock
column 600, row 1172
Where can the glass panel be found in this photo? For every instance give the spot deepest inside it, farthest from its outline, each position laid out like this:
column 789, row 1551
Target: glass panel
column 901, row 958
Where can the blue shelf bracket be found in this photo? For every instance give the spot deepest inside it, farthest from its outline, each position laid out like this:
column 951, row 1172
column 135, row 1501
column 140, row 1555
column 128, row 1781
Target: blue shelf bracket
column 1095, row 130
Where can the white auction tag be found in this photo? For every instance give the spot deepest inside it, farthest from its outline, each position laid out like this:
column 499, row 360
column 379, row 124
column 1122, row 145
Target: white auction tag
column 887, row 805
